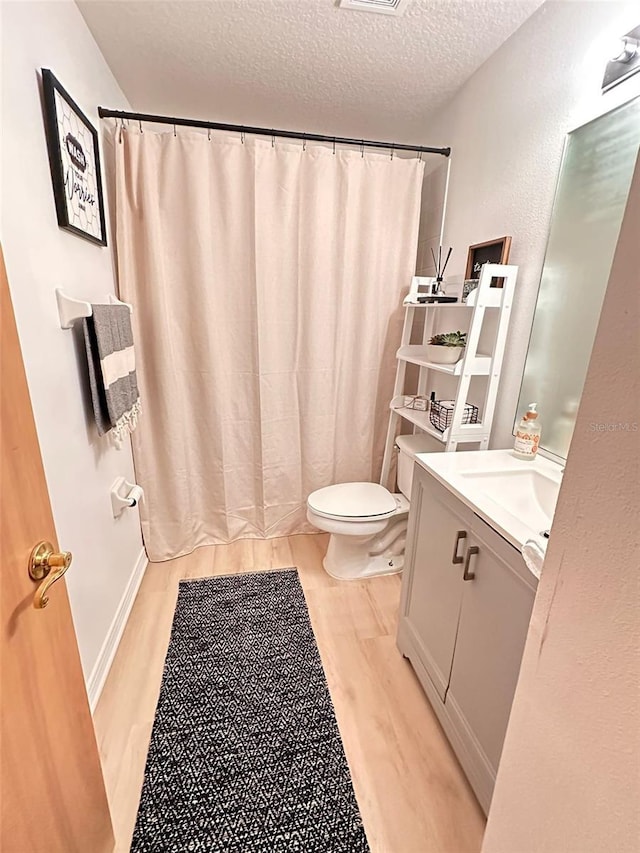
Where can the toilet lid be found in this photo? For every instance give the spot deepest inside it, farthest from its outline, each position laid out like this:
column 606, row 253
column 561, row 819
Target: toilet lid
column 353, row 500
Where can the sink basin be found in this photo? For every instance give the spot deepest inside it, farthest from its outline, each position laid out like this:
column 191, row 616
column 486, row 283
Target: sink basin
column 528, row 495
column 516, row 498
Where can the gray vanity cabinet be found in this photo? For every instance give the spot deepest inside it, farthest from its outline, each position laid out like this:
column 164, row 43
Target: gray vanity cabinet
column 433, row 605
column 466, row 604
column 495, row 614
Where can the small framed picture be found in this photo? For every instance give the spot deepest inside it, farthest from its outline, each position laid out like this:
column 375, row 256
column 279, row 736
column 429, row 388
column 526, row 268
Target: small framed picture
column 491, row 252
column 74, row 159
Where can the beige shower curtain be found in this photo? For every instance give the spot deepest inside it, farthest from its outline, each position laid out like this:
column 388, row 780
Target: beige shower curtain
column 266, row 281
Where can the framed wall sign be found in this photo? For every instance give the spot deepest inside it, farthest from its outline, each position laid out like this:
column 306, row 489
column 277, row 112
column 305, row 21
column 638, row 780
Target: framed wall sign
column 74, row 159
column 491, row 252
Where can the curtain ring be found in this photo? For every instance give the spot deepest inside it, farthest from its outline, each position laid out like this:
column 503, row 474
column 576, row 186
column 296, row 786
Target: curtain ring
column 392, row 145
column 140, row 125
column 420, row 156
column 334, row 145
column 362, row 149
column 209, row 134
column 174, row 130
column 304, row 142
column 242, row 136
column 273, row 139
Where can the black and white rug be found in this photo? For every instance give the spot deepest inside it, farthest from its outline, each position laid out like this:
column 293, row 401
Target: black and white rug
column 245, row 753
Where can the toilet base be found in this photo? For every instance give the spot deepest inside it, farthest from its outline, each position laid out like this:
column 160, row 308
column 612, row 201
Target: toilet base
column 350, row 558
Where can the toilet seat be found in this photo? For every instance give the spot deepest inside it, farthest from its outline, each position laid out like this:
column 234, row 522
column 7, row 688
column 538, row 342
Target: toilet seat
column 355, row 502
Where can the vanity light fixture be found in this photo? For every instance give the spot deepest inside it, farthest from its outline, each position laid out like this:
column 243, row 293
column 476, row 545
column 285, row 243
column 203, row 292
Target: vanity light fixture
column 629, row 50
column 625, row 63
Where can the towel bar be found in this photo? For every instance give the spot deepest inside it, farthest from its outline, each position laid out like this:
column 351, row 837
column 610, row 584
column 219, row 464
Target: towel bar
column 71, row 309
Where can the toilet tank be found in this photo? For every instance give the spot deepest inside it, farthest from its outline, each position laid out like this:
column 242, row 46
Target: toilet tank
column 408, row 446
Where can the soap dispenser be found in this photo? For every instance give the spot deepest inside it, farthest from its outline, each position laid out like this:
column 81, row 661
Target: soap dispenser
column 528, row 434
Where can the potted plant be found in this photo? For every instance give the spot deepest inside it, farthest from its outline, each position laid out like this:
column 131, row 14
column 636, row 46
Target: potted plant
column 446, row 348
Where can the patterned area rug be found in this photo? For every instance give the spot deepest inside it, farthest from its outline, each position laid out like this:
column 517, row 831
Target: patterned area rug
column 245, row 753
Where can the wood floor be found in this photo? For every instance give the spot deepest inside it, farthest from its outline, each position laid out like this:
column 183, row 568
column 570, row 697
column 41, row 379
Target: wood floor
column 412, row 794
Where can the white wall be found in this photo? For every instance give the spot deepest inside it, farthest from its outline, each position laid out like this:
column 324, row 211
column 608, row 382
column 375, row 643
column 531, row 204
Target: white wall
column 569, row 777
column 80, row 467
column 506, row 127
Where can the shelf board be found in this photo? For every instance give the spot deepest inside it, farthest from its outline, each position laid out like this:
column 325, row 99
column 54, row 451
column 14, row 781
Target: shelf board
column 415, row 354
column 492, row 299
column 419, row 419
column 467, row 432
column 436, row 305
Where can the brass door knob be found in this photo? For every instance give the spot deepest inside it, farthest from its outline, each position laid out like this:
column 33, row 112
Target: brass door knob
column 44, row 562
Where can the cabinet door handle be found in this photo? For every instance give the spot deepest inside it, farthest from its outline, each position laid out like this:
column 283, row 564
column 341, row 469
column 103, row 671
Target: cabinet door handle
column 461, row 534
column 471, row 551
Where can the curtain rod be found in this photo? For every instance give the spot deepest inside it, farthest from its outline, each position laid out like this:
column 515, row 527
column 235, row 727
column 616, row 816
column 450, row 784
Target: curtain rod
column 103, row 112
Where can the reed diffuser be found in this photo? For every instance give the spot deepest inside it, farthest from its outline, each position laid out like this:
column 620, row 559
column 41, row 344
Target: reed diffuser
column 440, row 267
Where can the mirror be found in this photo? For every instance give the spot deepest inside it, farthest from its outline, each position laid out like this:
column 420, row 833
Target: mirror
column 592, row 191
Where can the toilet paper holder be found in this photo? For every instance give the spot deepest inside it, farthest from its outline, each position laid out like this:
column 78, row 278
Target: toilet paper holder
column 124, row 495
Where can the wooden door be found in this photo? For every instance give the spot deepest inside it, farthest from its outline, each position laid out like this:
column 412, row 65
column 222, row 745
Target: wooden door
column 53, row 798
column 433, row 582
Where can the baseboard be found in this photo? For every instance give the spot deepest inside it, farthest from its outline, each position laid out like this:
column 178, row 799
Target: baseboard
column 109, row 648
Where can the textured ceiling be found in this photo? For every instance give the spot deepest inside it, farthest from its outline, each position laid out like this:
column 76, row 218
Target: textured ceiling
column 300, row 64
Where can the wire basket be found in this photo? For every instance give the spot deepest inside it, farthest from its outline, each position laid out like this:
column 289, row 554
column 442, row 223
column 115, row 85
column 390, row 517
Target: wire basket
column 441, row 414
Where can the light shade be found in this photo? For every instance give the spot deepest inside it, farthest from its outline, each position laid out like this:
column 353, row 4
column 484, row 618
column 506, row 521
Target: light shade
column 625, row 63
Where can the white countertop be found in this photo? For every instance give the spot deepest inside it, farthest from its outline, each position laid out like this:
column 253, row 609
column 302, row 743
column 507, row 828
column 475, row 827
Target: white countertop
column 516, row 517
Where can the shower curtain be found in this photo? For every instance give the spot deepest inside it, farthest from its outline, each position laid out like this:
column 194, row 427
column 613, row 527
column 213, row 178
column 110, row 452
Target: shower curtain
column 266, row 280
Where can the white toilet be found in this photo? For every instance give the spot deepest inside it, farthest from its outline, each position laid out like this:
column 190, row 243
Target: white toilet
column 368, row 524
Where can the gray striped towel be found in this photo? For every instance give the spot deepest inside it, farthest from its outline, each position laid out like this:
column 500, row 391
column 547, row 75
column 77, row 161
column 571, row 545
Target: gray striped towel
column 112, row 370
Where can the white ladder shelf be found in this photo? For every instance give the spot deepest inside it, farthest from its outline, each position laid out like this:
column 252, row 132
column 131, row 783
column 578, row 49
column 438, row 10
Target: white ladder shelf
column 472, row 363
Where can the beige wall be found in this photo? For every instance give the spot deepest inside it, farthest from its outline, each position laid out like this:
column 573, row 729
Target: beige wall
column 506, row 127
column 569, row 779
column 79, row 465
